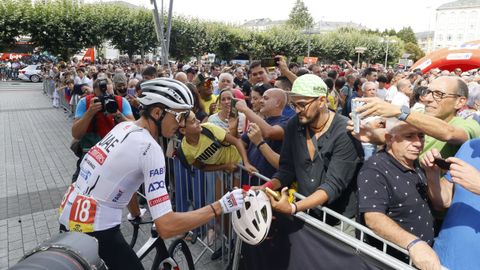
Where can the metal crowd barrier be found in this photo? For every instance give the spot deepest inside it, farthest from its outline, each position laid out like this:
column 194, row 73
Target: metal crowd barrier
column 193, row 189
column 69, row 104
column 48, row 87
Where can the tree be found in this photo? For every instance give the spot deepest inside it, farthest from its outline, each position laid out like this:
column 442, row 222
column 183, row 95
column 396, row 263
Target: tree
column 64, row 28
column 131, row 31
column 414, row 51
column 300, row 17
column 14, row 18
column 407, row 35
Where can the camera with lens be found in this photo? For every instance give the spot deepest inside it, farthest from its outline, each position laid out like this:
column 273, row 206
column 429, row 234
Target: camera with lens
column 109, row 104
column 102, row 84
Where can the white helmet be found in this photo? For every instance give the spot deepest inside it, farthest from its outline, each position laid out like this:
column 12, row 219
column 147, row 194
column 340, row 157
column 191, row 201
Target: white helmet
column 252, row 222
column 171, row 93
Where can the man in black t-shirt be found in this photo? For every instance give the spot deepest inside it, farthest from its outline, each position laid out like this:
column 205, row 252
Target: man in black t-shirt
column 392, row 195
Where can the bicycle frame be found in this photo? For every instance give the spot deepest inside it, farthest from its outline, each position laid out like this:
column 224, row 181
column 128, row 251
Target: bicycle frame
column 156, row 242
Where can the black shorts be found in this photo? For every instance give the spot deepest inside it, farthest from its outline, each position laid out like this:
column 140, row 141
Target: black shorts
column 114, row 250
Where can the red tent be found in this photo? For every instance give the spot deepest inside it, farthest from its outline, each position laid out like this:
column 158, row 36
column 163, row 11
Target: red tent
column 465, row 56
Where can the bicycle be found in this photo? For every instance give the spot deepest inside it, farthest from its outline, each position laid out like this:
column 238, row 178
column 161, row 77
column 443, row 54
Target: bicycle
column 176, row 257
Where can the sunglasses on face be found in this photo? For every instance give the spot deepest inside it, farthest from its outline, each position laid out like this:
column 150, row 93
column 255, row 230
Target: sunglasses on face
column 180, row 117
column 207, row 84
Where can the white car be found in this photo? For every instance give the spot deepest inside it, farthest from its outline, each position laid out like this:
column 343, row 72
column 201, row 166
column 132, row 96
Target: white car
column 31, row 73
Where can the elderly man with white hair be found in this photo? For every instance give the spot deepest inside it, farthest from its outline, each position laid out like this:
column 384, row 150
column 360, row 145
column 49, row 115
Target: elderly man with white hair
column 369, row 89
column 392, row 195
column 471, row 110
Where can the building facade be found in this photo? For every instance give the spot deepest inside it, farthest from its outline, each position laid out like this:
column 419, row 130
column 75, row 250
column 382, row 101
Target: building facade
column 456, row 23
column 425, row 41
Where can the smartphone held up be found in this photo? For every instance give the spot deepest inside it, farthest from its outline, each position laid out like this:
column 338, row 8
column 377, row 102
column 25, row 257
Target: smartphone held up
column 270, row 62
column 356, row 116
column 442, row 164
column 233, row 109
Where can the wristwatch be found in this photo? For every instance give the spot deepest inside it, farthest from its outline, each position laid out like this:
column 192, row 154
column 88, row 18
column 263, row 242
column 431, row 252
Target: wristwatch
column 405, row 112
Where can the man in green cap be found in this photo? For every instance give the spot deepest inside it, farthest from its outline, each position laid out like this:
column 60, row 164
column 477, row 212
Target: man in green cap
column 319, row 154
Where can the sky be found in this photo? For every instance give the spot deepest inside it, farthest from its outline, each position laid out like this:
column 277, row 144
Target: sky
column 381, row 14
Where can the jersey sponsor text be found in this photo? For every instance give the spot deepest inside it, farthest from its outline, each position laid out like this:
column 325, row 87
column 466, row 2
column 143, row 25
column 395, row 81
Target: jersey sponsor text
column 158, row 200
column 97, row 154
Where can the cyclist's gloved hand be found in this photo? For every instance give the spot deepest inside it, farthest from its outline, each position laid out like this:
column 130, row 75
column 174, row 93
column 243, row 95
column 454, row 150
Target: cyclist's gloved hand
column 232, row 201
column 142, row 212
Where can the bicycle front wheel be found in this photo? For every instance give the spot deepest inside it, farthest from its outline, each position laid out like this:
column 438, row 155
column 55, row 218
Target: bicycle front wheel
column 181, row 254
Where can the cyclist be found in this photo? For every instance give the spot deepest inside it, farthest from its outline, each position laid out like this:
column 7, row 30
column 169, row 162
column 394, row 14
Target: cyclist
column 126, row 157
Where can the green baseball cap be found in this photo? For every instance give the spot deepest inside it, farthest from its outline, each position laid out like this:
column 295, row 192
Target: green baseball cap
column 309, row 85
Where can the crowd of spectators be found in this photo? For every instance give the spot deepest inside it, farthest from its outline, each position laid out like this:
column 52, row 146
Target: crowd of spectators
column 9, row 69
column 291, row 123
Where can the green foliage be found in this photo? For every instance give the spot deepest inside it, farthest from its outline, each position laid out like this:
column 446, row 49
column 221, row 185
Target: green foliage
column 407, row 35
column 300, row 17
column 130, row 31
column 64, row 28
column 415, row 52
column 14, row 18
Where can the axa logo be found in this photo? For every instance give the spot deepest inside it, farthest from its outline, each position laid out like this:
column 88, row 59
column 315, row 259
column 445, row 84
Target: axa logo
column 158, row 171
column 156, row 185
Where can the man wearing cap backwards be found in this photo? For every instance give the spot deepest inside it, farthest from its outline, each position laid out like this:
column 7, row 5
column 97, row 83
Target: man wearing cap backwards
column 392, row 196
column 318, row 154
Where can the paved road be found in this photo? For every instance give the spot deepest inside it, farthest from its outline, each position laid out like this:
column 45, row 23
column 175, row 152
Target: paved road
column 35, row 168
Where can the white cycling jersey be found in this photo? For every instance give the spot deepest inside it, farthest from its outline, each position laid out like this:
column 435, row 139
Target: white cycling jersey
column 110, row 173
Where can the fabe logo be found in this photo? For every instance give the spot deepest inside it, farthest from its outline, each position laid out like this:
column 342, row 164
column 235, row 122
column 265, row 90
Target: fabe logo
column 156, row 185
column 159, row 171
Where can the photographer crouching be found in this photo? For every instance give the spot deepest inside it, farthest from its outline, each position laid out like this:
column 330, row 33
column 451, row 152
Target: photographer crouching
column 95, row 116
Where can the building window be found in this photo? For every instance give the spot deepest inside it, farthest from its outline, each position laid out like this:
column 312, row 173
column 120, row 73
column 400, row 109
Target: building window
column 459, row 37
column 449, row 37
column 440, row 37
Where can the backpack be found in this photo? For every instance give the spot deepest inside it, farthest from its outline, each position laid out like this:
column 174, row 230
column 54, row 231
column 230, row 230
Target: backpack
column 181, row 156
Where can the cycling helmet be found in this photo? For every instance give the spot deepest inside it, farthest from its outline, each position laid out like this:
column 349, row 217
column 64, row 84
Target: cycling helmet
column 171, row 93
column 252, row 222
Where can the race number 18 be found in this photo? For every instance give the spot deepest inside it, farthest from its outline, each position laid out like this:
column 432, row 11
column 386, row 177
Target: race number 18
column 82, row 214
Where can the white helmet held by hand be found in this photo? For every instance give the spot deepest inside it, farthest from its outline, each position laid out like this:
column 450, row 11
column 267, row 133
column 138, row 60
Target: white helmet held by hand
column 252, row 222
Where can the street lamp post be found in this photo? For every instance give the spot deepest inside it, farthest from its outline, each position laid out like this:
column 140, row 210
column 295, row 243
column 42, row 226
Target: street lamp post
column 388, row 41
column 163, row 38
column 386, row 55
column 359, row 50
column 308, row 44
